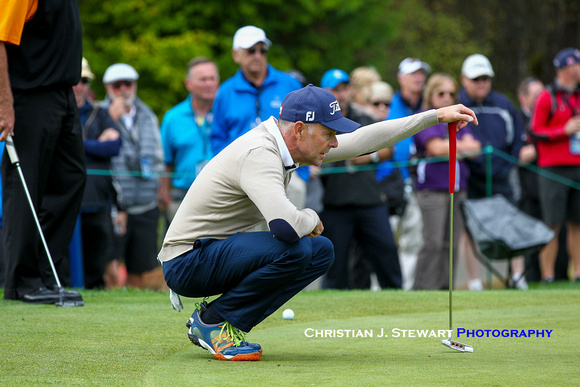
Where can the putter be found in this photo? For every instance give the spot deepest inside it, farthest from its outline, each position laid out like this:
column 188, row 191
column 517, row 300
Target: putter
column 65, row 299
column 456, row 345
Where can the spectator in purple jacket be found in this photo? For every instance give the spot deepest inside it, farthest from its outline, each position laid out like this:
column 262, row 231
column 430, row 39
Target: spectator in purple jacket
column 432, row 183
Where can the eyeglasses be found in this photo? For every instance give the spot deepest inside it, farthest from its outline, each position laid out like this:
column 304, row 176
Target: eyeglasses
column 443, row 93
column 118, row 84
column 379, row 103
column 253, row 50
column 85, row 81
column 483, row 78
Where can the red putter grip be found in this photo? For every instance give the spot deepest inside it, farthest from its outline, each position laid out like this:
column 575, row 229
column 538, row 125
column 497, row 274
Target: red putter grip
column 452, row 154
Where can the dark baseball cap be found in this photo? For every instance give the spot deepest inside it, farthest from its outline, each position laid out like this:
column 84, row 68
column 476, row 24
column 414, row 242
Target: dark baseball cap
column 312, row 104
column 567, row 57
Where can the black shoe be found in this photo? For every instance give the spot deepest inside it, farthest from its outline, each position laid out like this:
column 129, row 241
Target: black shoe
column 53, row 296
column 41, row 296
column 68, row 297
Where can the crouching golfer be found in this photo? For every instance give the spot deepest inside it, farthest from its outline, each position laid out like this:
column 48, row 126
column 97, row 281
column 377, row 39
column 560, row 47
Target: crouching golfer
column 210, row 248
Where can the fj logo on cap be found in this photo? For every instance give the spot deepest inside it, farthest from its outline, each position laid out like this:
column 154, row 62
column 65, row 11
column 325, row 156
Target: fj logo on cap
column 310, row 116
column 335, row 107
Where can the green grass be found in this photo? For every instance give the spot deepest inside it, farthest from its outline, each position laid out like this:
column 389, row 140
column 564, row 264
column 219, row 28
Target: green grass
column 130, row 337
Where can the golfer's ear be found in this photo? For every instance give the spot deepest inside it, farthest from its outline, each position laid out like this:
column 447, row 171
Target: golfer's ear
column 299, row 129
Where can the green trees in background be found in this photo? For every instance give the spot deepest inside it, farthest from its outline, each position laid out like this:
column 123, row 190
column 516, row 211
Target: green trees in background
column 158, row 38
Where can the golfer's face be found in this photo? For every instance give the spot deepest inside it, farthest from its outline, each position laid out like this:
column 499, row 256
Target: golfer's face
column 316, row 143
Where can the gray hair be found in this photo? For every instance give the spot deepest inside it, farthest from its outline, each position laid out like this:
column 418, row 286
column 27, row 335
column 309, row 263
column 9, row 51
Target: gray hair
column 285, row 126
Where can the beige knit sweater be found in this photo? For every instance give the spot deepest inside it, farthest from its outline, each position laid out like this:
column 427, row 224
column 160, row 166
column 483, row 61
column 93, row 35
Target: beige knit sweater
column 245, row 184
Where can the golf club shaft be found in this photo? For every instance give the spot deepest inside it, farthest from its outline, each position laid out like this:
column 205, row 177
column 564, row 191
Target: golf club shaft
column 15, row 160
column 450, row 260
column 452, row 161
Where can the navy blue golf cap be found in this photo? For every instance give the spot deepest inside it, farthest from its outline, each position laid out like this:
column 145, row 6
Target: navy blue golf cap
column 567, row 57
column 312, row 104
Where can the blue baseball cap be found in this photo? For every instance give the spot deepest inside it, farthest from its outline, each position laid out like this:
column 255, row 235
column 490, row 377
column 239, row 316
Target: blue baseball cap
column 313, row 104
column 567, row 57
column 333, row 78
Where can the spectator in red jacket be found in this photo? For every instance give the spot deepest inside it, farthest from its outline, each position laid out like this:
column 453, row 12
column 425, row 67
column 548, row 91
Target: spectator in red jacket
column 556, row 123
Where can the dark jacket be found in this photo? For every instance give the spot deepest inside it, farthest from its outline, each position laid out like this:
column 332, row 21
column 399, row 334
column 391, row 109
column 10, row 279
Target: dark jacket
column 99, row 193
column 352, row 188
column 500, row 126
column 42, row 60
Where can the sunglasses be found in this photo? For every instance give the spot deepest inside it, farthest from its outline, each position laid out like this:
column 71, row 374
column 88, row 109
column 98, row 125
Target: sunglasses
column 379, row 103
column 118, row 84
column 85, row 81
column 483, row 78
column 253, row 50
column 443, row 93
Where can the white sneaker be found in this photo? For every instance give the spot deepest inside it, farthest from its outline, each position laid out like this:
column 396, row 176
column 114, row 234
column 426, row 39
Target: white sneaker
column 520, row 282
column 475, row 284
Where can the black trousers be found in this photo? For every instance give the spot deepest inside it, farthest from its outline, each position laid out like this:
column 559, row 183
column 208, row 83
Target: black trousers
column 48, row 139
column 97, row 232
column 370, row 227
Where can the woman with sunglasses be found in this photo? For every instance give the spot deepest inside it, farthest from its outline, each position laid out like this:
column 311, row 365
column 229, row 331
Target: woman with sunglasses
column 379, row 95
column 432, row 183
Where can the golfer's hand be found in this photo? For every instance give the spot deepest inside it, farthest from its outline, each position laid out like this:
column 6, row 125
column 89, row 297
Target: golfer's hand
column 317, row 230
column 463, row 115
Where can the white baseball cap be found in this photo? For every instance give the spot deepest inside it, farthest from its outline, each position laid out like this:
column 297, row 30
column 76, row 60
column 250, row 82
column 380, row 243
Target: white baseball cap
column 247, row 36
column 475, row 66
column 120, row 72
column 410, row 65
column 86, row 70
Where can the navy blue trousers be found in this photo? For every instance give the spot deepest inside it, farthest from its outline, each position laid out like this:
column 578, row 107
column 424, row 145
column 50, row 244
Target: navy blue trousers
column 254, row 273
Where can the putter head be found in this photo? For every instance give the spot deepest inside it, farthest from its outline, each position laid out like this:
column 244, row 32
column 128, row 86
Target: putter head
column 69, row 298
column 456, row 345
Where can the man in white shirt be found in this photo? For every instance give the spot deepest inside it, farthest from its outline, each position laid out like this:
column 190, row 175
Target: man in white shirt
column 209, row 248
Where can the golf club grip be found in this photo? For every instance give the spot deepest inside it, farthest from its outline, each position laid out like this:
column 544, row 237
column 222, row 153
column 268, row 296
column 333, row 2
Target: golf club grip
column 452, row 154
column 11, row 150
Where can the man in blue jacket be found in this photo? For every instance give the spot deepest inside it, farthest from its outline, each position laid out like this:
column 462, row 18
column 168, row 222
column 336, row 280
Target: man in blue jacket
column 501, row 126
column 251, row 96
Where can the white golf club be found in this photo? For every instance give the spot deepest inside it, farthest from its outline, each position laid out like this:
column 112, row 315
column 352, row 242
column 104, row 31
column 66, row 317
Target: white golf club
column 456, row 345
column 64, row 298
